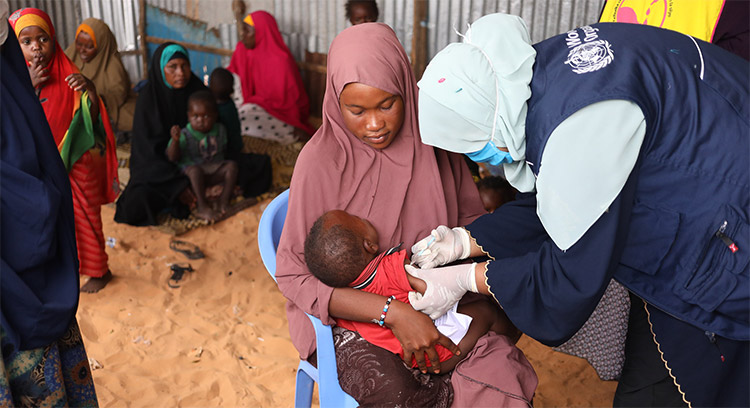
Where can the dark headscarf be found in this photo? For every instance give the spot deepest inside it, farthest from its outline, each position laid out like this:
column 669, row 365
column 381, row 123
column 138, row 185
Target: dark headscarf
column 39, row 270
column 155, row 182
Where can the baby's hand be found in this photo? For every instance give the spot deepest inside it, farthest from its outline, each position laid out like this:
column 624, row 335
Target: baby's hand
column 175, row 133
column 419, row 285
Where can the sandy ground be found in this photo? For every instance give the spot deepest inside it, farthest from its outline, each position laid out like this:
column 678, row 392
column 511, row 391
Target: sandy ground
column 221, row 339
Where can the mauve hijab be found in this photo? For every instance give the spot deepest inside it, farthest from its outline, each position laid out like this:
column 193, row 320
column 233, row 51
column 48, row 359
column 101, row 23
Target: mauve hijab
column 404, row 190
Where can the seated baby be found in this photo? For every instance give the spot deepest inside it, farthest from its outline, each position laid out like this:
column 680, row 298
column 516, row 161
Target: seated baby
column 199, row 149
column 342, row 251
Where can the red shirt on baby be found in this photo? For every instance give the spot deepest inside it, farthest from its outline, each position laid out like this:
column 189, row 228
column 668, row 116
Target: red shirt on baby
column 385, row 275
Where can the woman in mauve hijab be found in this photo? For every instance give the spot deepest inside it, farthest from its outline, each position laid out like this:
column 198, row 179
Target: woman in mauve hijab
column 367, row 159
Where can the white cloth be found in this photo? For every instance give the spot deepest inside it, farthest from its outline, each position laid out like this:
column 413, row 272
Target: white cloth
column 453, row 325
column 256, row 122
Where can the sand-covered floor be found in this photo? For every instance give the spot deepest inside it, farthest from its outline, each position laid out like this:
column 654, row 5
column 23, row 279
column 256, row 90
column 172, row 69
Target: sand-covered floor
column 221, row 339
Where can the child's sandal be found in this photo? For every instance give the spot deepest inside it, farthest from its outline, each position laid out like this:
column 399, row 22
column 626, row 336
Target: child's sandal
column 177, row 273
column 191, row 251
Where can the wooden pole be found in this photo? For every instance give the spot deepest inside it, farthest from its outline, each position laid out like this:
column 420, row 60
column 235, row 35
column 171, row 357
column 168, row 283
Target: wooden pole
column 238, row 8
column 419, row 38
column 191, row 46
column 142, row 36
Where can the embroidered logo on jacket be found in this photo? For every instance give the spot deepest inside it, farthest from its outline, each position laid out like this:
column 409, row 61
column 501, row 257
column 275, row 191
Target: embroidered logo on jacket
column 590, row 54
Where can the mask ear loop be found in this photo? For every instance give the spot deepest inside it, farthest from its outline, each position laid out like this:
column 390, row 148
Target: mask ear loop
column 467, row 39
column 497, row 85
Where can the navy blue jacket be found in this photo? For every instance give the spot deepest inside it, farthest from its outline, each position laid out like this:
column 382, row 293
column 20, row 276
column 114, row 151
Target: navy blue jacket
column 664, row 237
column 692, row 194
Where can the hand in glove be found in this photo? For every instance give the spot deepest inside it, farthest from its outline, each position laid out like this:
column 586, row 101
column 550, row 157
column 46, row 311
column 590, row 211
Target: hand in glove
column 443, row 246
column 445, row 287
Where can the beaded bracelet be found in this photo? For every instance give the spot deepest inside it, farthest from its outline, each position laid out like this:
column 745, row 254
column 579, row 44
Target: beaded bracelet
column 381, row 322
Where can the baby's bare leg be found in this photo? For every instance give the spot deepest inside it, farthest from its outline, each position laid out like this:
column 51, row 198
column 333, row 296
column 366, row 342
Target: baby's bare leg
column 482, row 319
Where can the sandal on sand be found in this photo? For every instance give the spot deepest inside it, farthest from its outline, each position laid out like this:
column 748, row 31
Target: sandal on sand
column 189, row 250
column 177, row 272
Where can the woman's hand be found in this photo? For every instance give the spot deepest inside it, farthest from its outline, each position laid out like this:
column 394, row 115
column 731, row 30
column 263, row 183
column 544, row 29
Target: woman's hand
column 445, row 287
column 443, row 246
column 38, row 73
column 418, row 336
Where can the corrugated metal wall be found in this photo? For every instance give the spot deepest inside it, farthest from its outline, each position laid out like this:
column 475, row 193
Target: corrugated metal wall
column 65, row 16
column 316, row 22
column 169, row 25
column 122, row 18
column 544, row 18
column 312, row 24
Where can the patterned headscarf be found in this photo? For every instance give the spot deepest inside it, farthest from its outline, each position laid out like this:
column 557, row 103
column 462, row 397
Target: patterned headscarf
column 29, row 16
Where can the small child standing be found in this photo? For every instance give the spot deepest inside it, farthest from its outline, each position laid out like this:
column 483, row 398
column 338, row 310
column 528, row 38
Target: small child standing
column 254, row 170
column 199, row 150
column 221, row 84
column 361, row 11
column 342, row 251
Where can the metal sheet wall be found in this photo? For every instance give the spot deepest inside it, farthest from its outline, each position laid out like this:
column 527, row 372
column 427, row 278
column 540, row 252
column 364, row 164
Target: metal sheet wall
column 544, row 18
column 122, row 18
column 65, row 16
column 312, row 24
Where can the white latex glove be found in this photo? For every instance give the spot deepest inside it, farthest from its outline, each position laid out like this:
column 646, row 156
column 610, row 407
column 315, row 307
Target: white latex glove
column 445, row 287
column 442, row 246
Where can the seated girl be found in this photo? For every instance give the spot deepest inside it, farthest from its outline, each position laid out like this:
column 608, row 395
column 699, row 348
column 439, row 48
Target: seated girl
column 275, row 105
column 95, row 53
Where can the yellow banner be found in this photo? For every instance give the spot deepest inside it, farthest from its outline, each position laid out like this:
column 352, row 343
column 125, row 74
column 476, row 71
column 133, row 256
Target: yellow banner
column 694, row 17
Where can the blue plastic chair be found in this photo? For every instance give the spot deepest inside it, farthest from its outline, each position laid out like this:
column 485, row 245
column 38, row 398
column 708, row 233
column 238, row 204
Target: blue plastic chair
column 330, row 393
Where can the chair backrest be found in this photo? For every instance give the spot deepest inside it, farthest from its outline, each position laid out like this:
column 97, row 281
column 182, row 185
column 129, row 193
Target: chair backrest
column 269, row 230
column 330, row 393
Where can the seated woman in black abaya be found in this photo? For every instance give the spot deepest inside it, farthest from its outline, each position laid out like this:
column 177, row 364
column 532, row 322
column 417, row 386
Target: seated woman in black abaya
column 156, row 185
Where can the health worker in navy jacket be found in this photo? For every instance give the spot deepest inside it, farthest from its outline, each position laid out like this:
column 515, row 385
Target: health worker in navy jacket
column 630, row 146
